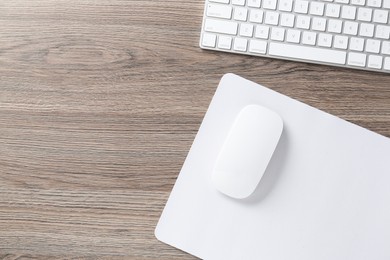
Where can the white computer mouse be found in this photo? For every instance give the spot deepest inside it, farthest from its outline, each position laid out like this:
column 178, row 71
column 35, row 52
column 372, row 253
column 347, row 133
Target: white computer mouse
column 247, row 150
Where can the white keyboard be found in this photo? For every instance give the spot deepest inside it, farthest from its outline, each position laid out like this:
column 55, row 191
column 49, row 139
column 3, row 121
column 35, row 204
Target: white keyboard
column 346, row 33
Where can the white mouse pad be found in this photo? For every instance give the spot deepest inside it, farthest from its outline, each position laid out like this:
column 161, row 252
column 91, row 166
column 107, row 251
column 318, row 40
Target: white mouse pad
column 325, row 194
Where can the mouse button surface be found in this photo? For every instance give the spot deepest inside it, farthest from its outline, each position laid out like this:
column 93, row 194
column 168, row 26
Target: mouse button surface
column 246, row 151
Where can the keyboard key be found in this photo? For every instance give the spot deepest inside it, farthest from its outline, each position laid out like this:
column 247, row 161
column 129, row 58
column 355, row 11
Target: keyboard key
column 240, row 44
column 254, row 3
column 316, row 8
column 374, row 62
column 269, row 4
column 356, row 44
column 256, row 16
column 366, row 29
column 277, row 34
column 220, row 1
column 208, row 40
column 307, row 53
column 225, row 42
column 272, row 18
column 318, row 24
column 240, row 14
column 382, row 32
column 301, row 6
column 332, row 10
column 373, row 46
column 293, row 36
column 350, row 28
column 386, row 48
column 309, row 38
column 380, row 16
column 257, row 46
column 340, row 42
column 285, row 5
column 386, row 4
column 374, row 3
column 335, row 25
column 220, row 26
column 325, row 40
column 357, row 59
column 348, row 12
column 358, row 2
column 262, row 31
column 287, row 20
column 386, row 66
column 364, row 14
column 219, row 11
column 246, row 30
column 342, row 1
column 238, row 2
column 303, row 22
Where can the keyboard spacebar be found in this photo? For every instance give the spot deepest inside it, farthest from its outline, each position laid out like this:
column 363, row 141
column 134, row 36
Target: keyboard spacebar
column 307, row 53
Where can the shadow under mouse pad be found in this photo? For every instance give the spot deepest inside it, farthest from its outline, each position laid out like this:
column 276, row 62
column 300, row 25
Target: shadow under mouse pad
column 325, row 194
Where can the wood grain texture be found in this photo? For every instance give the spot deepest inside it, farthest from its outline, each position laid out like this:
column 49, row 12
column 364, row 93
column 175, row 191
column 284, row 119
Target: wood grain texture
column 99, row 103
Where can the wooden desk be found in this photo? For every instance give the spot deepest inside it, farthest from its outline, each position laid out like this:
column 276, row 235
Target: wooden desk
column 100, row 101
